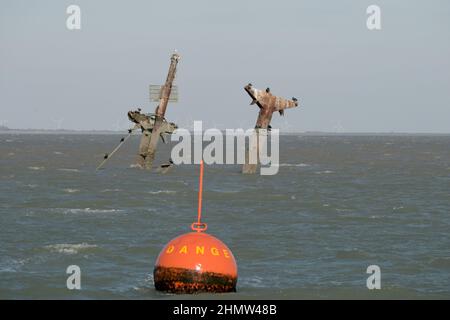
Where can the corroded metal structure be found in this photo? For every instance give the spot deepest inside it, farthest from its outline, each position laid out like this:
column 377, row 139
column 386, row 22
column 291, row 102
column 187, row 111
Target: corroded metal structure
column 156, row 125
column 268, row 104
column 153, row 126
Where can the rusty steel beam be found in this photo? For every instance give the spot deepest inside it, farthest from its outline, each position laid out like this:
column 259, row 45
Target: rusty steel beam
column 167, row 88
column 268, row 104
column 153, row 128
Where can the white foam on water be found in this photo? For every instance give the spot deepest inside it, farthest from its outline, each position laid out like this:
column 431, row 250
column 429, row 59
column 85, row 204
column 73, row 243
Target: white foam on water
column 32, row 186
column 111, row 190
column 162, row 191
column 89, row 210
column 134, row 166
column 36, row 168
column 294, row 165
column 69, row 170
column 57, row 152
column 11, row 265
column 147, row 283
column 69, row 190
column 254, row 282
column 149, row 278
column 70, row 248
column 324, row 172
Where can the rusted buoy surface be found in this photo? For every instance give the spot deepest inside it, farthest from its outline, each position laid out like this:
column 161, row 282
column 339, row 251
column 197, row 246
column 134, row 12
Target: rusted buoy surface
column 195, row 262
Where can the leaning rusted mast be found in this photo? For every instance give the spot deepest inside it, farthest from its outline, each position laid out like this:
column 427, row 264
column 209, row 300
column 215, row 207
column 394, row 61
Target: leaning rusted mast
column 268, row 104
column 147, row 148
column 167, row 88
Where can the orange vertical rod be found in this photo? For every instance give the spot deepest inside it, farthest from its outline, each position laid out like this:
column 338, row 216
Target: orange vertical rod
column 200, row 192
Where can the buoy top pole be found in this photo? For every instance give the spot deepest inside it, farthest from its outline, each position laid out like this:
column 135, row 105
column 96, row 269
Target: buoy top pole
column 200, row 192
column 200, row 226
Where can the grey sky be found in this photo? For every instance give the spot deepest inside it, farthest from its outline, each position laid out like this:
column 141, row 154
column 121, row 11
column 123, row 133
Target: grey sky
column 346, row 77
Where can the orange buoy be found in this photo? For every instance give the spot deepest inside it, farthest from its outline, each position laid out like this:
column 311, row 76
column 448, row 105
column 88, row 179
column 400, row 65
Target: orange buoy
column 196, row 261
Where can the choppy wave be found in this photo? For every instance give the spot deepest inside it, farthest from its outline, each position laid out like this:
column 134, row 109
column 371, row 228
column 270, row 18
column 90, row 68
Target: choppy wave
column 57, row 152
column 70, row 248
column 69, row 190
column 162, row 191
column 89, row 210
column 441, row 262
column 294, row 165
column 145, row 284
column 343, row 210
column 253, row 282
column 111, row 190
column 69, row 170
column 11, row 265
column 324, row 172
column 224, row 191
column 351, row 254
column 36, row 168
column 312, row 231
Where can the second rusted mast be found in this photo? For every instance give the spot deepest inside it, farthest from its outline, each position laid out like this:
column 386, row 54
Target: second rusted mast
column 268, row 104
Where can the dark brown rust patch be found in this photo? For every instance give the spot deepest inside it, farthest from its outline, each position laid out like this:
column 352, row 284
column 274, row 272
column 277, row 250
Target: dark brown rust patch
column 181, row 280
column 268, row 104
column 152, row 131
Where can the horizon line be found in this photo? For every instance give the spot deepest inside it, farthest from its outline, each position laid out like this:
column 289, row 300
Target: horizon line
column 4, row 130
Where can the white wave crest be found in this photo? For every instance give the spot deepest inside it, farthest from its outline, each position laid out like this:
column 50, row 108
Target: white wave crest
column 69, row 170
column 36, row 168
column 89, row 210
column 70, row 248
column 11, row 265
column 324, row 172
column 111, row 190
column 294, row 165
column 162, row 191
column 254, row 282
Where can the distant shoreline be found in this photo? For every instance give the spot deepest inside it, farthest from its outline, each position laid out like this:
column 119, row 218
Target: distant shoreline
column 4, row 131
